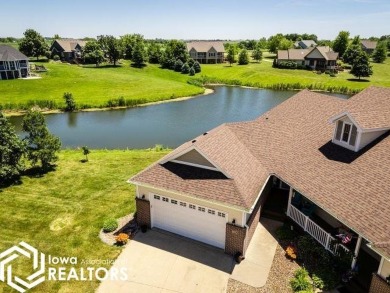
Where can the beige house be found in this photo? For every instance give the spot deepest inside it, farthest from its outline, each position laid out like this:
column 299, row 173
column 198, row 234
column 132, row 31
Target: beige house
column 206, row 52
column 368, row 46
column 68, row 50
column 317, row 58
column 322, row 161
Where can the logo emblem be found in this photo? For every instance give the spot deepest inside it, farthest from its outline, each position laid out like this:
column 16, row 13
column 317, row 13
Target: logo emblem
column 38, row 265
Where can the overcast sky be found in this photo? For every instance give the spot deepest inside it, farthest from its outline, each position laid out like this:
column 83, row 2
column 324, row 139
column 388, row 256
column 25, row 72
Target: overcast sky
column 182, row 19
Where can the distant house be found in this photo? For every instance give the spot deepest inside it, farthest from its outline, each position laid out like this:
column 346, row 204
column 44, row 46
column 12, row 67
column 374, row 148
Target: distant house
column 304, row 44
column 317, row 58
column 368, row 46
column 68, row 50
column 206, row 52
column 13, row 64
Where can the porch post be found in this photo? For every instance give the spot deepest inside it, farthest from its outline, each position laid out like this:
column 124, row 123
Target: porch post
column 356, row 252
column 290, row 193
column 381, row 265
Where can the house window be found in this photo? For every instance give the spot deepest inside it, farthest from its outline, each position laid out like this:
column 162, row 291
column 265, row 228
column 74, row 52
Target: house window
column 192, row 206
column 346, row 132
column 222, row 215
column 212, row 212
column 173, row 201
column 201, row 209
column 211, row 54
column 165, row 199
column 156, row 197
column 183, row 204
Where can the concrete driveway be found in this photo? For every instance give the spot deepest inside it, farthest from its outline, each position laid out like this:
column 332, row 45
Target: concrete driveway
column 158, row 261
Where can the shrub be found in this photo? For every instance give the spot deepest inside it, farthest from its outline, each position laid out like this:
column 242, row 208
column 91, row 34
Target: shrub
column 185, row 68
column 192, row 71
column 291, row 252
column 285, row 233
column 110, row 225
column 178, row 65
column 122, row 239
column 317, row 281
column 69, row 102
column 301, row 281
column 197, row 67
column 191, row 62
column 56, row 57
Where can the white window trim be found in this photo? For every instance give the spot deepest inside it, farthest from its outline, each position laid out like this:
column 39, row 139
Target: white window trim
column 341, row 142
column 349, row 134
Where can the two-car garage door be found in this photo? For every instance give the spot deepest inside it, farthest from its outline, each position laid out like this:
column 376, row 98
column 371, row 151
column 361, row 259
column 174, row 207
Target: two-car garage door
column 192, row 221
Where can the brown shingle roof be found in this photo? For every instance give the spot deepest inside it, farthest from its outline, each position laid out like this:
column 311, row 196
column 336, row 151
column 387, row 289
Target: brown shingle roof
column 293, row 54
column 300, row 54
column 8, row 53
column 205, row 46
column 292, row 141
column 369, row 44
column 70, row 44
column 370, row 109
column 383, row 247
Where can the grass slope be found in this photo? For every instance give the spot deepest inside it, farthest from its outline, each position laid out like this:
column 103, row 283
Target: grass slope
column 264, row 75
column 93, row 87
column 75, row 199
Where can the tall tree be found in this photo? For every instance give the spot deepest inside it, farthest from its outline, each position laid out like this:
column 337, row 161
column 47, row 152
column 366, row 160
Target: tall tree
column 243, row 57
column 263, row 44
column 340, row 44
column 279, row 42
column 154, row 53
column 41, row 144
column 380, row 53
column 351, row 53
column 33, row 44
column 361, row 66
column 257, row 54
column 111, row 47
column 128, row 43
column 177, row 49
column 139, row 54
column 231, row 55
column 11, row 151
column 93, row 53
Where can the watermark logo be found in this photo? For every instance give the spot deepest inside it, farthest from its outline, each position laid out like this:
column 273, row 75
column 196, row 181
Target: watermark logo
column 38, row 265
column 55, row 268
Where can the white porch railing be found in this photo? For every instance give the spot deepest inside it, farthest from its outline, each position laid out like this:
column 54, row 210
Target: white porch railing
column 319, row 234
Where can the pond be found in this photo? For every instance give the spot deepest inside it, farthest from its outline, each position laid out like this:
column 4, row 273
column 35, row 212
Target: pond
column 168, row 124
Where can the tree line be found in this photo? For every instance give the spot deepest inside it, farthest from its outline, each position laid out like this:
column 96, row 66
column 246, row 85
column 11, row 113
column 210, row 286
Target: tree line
column 38, row 148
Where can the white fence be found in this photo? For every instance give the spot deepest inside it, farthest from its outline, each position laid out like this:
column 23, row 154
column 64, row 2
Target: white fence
column 319, row 234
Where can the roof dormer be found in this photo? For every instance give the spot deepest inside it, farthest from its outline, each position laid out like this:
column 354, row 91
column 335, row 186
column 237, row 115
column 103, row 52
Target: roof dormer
column 349, row 134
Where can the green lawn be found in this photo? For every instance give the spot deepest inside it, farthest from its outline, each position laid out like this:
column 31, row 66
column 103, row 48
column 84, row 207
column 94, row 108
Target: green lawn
column 77, row 197
column 93, row 87
column 264, row 75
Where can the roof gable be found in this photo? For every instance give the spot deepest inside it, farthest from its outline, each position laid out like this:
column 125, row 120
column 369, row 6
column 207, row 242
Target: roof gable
column 8, row 53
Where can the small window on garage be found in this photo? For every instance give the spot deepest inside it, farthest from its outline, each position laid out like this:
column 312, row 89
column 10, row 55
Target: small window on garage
column 201, row 209
column 165, row 199
column 173, row 201
column 192, row 206
column 183, row 204
column 157, row 197
column 221, row 214
column 212, row 212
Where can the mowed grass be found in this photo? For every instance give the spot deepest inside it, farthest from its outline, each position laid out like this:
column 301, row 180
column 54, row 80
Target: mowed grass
column 94, row 87
column 62, row 212
column 264, row 75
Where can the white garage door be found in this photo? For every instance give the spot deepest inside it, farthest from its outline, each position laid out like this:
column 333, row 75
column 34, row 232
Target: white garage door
column 192, row 221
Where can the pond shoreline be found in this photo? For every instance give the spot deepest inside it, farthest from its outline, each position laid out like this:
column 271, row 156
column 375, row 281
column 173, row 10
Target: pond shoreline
column 207, row 91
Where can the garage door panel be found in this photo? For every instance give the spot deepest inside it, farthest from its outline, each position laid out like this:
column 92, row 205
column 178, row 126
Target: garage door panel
column 191, row 223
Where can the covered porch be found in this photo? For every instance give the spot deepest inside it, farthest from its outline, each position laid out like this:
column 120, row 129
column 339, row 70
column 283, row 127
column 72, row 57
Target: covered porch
column 324, row 228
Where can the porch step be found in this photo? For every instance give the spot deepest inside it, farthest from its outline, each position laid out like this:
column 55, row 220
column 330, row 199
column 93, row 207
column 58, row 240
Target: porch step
column 273, row 215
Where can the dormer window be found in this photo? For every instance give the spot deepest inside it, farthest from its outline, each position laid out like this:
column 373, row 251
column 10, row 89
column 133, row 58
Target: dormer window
column 346, row 132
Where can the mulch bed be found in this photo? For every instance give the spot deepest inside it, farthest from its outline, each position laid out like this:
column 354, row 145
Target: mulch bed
column 126, row 224
column 278, row 281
